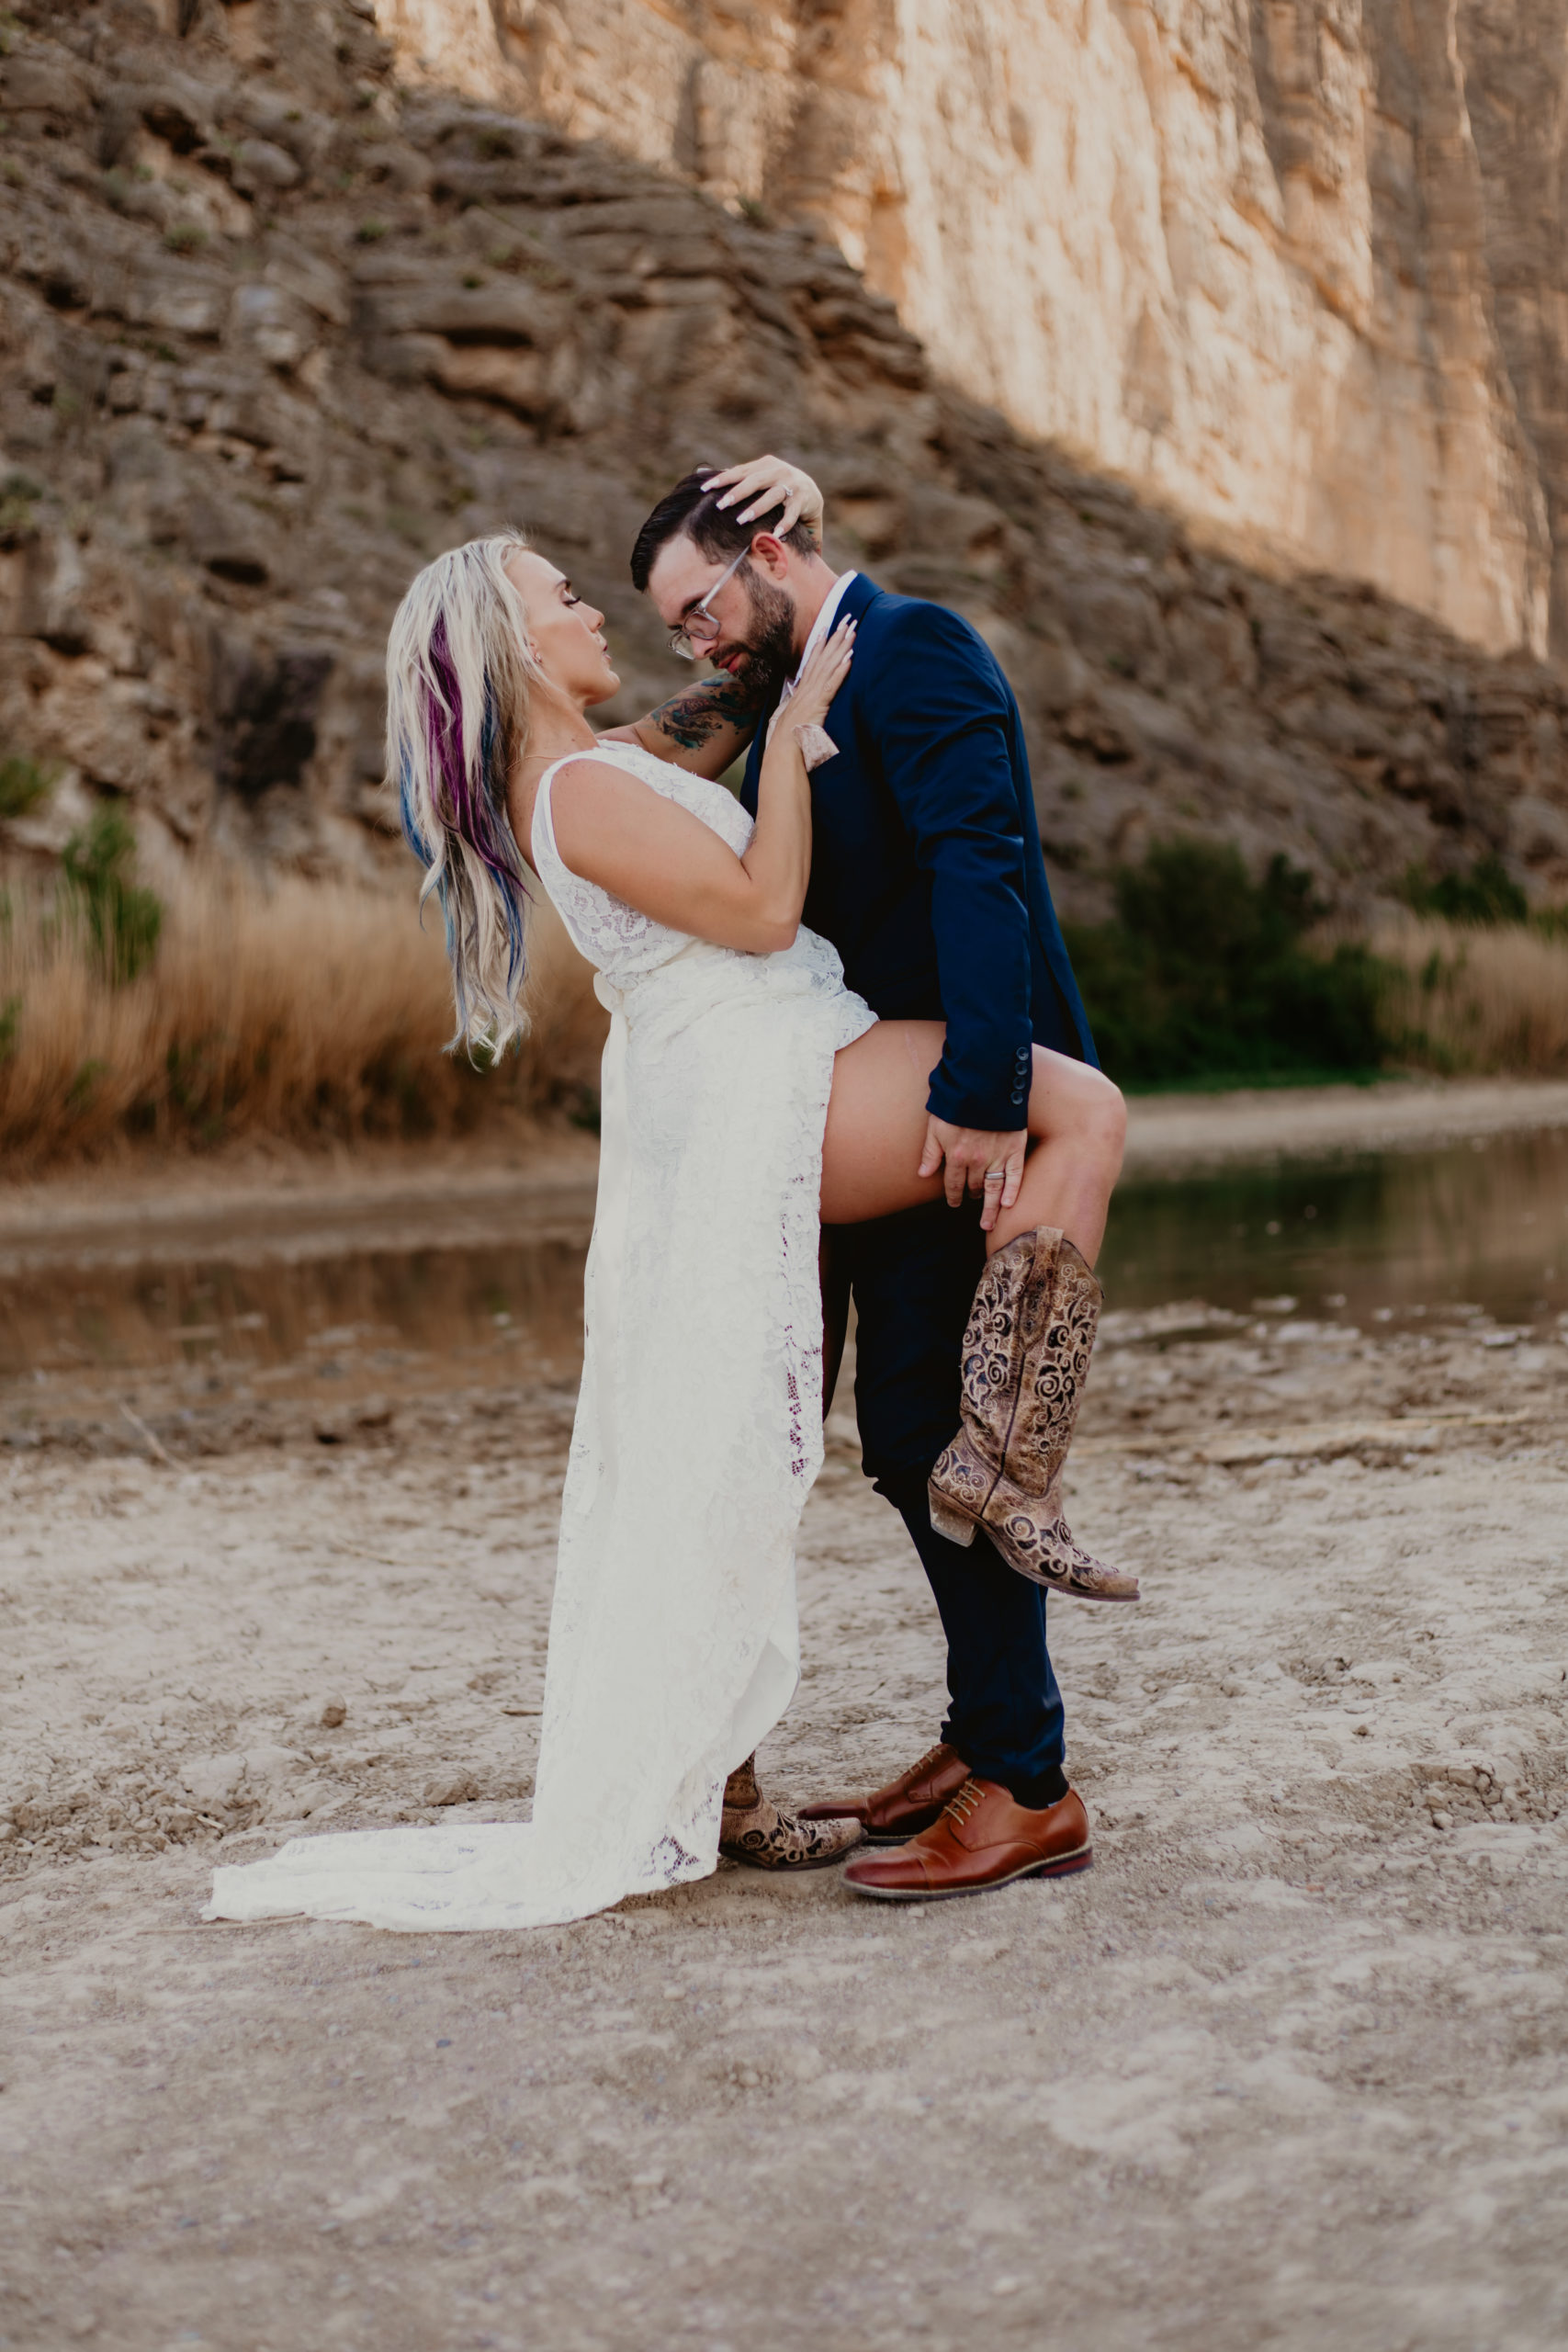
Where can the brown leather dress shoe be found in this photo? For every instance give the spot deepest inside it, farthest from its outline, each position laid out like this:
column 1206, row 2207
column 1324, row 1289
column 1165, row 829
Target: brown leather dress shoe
column 984, row 1838
column 911, row 1803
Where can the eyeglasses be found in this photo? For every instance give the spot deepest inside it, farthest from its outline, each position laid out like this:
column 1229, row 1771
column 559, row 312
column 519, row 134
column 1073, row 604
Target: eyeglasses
column 699, row 627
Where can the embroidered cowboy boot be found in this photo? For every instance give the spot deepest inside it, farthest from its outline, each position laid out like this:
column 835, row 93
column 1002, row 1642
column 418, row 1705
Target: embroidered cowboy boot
column 755, row 1831
column 1026, row 1352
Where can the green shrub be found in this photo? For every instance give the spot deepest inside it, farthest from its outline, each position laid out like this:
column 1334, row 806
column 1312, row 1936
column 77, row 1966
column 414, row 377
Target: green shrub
column 1486, row 895
column 22, row 783
column 123, row 918
column 19, row 522
column 1202, row 976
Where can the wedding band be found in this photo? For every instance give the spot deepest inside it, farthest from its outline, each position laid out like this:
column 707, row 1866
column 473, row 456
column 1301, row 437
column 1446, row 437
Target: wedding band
column 996, row 1175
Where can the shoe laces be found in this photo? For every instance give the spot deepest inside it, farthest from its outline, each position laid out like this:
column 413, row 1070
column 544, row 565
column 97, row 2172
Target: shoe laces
column 928, row 1762
column 959, row 1807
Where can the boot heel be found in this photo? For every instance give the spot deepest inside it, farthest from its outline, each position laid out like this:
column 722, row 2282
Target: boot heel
column 954, row 1524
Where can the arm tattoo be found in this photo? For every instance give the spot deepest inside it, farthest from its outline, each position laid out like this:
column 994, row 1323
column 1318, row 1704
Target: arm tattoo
column 695, row 717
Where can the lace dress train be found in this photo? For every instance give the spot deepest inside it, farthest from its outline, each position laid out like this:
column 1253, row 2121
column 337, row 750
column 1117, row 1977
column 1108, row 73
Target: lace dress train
column 672, row 1646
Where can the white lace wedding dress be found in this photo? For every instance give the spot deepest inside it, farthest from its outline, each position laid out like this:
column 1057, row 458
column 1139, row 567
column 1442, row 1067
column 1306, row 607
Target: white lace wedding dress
column 674, row 1641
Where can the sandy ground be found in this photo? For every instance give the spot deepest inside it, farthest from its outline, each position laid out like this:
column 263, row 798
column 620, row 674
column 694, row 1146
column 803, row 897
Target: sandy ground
column 1290, row 2068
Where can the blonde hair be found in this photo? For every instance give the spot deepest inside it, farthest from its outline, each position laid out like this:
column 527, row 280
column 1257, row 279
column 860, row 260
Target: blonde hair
column 459, row 676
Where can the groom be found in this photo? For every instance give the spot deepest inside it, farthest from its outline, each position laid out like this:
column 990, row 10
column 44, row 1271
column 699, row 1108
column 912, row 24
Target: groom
column 927, row 877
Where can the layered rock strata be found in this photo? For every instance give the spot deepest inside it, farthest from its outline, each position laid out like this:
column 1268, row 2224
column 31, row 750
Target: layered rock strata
column 1262, row 257
column 273, row 329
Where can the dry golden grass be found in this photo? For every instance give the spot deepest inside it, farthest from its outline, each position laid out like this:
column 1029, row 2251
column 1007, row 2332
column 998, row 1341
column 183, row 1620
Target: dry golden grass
column 320, row 1010
column 1475, row 1000
column 302, row 1010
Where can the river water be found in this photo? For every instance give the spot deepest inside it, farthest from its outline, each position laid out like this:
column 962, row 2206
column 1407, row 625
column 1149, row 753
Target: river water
column 1479, row 1226
column 1482, row 1224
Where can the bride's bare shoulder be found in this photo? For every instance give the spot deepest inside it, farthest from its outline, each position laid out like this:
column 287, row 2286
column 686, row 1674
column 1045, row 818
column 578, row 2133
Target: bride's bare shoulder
column 595, row 795
column 620, row 761
column 597, row 774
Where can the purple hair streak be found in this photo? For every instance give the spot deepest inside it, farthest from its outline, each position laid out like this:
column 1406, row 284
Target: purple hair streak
column 458, row 682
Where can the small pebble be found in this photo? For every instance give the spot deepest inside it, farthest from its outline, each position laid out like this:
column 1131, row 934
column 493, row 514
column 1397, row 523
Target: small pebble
column 452, row 1788
column 334, row 1712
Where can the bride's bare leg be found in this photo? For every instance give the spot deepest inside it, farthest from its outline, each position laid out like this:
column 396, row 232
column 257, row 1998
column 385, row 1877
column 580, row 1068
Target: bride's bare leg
column 876, row 1127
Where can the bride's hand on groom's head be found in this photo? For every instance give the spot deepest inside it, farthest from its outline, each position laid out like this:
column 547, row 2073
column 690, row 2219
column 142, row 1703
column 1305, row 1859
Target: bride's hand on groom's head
column 763, row 484
column 823, row 675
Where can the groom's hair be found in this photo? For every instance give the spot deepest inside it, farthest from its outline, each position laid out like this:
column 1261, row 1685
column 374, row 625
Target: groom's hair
column 692, row 508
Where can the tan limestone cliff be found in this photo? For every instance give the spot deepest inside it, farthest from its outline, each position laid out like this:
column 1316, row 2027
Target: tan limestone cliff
column 1515, row 54
column 275, row 327
column 1238, row 251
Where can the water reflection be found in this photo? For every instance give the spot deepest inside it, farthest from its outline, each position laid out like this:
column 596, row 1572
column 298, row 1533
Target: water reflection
column 376, row 1317
column 1483, row 1224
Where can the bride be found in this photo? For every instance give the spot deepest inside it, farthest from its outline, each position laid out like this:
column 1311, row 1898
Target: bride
column 746, row 1096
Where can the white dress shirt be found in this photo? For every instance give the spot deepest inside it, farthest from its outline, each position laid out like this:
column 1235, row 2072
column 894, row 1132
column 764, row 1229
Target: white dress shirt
column 819, row 628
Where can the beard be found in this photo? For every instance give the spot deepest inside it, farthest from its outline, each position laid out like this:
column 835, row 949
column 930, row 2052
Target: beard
column 767, row 650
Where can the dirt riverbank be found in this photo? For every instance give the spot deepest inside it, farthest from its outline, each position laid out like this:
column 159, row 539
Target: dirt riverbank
column 285, row 1200
column 1291, row 2066
column 1180, row 1134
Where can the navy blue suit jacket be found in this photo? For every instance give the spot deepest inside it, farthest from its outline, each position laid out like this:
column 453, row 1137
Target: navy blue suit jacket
column 926, row 867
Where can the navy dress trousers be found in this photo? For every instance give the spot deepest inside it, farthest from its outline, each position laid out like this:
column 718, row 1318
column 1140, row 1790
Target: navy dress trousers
column 927, row 876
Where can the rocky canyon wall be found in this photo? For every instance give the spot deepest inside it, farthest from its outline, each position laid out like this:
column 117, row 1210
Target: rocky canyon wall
column 1515, row 54
column 275, row 326
column 1286, row 263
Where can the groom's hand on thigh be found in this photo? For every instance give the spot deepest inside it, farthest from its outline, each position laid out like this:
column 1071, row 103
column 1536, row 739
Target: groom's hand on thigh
column 967, row 1155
